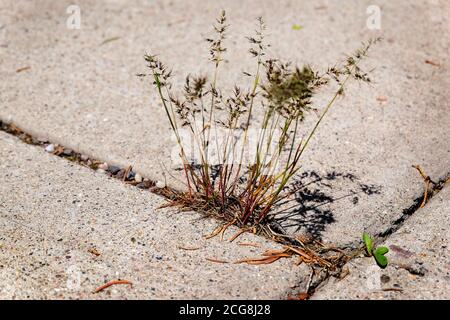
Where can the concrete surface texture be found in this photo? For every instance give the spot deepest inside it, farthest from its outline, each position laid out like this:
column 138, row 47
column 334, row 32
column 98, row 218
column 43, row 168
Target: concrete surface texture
column 419, row 261
column 66, row 230
column 78, row 87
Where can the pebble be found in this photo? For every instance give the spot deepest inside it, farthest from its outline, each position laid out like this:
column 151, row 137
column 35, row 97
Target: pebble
column 67, row 152
column 113, row 169
column 138, row 177
column 160, row 184
column 144, row 185
column 131, row 175
column 84, row 157
column 120, row 174
column 50, row 148
column 103, row 166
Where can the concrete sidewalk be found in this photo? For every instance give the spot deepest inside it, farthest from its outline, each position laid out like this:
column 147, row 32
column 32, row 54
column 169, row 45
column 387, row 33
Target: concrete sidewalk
column 78, row 88
column 65, row 230
column 419, row 261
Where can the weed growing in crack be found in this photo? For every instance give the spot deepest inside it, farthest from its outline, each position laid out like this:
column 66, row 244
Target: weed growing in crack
column 378, row 253
column 244, row 166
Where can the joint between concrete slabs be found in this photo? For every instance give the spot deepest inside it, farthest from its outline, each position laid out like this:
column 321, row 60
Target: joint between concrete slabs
column 382, row 236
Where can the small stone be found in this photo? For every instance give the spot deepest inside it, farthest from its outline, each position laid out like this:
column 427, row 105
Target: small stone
column 138, row 177
column 113, row 169
column 67, row 152
column 50, row 148
column 131, row 175
column 385, row 279
column 144, row 185
column 160, row 184
column 84, row 157
column 120, row 174
column 103, row 166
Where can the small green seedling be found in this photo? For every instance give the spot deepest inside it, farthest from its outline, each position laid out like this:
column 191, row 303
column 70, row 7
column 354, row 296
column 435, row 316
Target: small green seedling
column 378, row 253
column 296, row 27
column 368, row 243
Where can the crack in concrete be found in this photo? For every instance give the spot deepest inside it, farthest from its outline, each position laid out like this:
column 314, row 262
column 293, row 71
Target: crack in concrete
column 408, row 212
column 382, row 236
column 125, row 174
column 321, row 274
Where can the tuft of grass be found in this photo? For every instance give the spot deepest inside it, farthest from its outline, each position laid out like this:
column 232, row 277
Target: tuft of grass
column 243, row 166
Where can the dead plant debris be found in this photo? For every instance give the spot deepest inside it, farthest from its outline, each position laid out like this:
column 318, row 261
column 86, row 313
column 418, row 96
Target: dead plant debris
column 189, row 248
column 23, row 69
column 111, row 283
column 249, row 244
column 109, row 40
column 430, row 62
column 392, row 289
column 243, row 230
column 216, row 260
column 94, row 251
column 299, row 296
column 426, row 180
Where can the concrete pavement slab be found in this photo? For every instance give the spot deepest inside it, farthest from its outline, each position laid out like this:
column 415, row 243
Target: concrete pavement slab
column 77, row 87
column 65, row 230
column 419, row 261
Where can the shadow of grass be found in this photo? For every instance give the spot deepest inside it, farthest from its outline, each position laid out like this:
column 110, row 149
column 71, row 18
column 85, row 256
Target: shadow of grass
column 307, row 211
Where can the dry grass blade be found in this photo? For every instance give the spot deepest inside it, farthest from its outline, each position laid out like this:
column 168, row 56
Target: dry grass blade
column 216, row 260
column 237, row 234
column 111, row 283
column 23, row 69
column 428, row 61
column 269, row 256
column 225, row 227
column 300, row 252
column 426, row 180
column 216, row 231
column 249, row 244
column 127, row 171
column 189, row 248
column 392, row 289
column 274, row 252
column 256, row 261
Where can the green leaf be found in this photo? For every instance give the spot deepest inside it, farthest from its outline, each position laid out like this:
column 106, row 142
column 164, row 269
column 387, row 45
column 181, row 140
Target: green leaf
column 296, row 27
column 381, row 260
column 368, row 243
column 382, row 250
